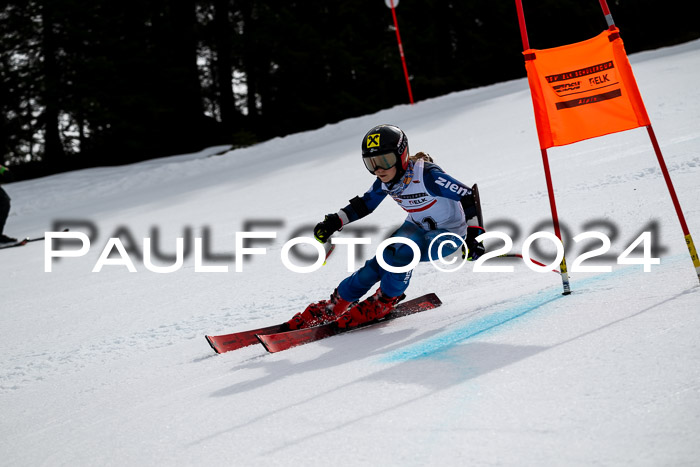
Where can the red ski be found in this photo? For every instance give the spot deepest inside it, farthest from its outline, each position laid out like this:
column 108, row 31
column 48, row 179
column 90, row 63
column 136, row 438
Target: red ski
column 278, row 341
column 237, row 340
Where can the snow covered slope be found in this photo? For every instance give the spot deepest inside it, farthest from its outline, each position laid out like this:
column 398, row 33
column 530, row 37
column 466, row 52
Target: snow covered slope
column 112, row 368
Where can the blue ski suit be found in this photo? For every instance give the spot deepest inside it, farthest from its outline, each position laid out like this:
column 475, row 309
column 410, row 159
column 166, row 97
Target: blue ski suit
column 431, row 199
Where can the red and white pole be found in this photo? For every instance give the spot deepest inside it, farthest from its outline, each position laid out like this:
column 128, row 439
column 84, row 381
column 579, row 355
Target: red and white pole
column 606, row 12
column 664, row 170
column 545, row 162
column 393, row 4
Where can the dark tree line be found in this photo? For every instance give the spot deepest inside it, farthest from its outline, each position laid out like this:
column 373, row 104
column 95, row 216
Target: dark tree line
column 95, row 82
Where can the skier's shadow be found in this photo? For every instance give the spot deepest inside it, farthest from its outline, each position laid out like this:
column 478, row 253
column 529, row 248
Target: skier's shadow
column 377, row 344
column 436, row 370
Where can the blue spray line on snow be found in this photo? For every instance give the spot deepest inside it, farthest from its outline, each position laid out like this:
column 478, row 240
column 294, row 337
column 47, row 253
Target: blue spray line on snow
column 436, row 345
column 444, row 342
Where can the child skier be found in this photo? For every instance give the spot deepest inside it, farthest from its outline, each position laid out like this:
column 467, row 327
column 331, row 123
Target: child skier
column 435, row 202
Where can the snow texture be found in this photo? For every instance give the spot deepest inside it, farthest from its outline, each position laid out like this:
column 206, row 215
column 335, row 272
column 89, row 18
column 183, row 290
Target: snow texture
column 112, row 368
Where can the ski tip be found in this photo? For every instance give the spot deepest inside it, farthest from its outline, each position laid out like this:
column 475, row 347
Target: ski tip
column 434, row 299
column 212, row 345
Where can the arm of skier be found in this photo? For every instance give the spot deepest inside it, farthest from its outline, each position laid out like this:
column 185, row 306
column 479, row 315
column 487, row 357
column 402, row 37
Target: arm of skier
column 358, row 208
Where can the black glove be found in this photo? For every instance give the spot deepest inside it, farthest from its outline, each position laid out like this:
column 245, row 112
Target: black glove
column 330, row 225
column 476, row 249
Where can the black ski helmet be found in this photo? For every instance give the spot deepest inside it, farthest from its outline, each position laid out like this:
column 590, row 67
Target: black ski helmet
column 385, row 146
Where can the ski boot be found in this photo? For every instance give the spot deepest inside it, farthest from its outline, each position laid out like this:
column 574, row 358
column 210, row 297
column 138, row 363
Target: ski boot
column 319, row 312
column 6, row 239
column 371, row 309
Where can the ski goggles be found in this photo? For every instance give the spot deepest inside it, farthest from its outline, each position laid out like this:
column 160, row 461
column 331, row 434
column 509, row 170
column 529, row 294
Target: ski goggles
column 381, row 161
